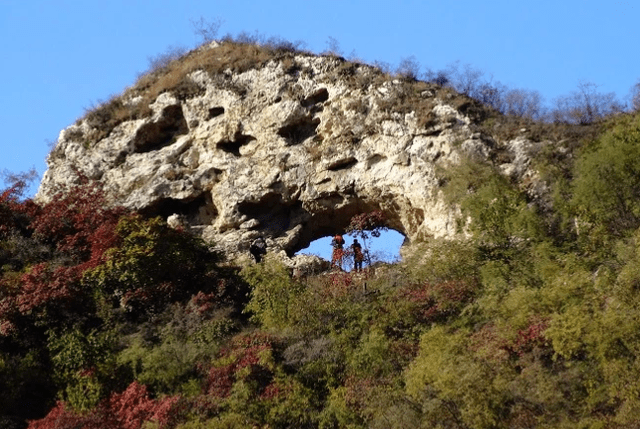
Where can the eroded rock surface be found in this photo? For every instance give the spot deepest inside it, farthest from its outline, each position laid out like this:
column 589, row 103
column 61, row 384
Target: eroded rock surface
column 288, row 151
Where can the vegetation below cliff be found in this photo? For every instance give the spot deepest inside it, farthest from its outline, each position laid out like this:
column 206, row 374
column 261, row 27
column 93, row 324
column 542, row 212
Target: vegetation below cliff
column 109, row 319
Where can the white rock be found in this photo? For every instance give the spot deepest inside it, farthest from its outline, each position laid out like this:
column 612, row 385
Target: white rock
column 292, row 157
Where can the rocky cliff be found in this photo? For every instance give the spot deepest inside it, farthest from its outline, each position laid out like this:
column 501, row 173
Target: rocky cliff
column 290, row 147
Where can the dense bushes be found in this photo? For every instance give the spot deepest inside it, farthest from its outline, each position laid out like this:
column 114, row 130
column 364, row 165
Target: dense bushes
column 134, row 325
column 606, row 189
column 155, row 265
column 273, row 294
column 71, row 313
column 127, row 410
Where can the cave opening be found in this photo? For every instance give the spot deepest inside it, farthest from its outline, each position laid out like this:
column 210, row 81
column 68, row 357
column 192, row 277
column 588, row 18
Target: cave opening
column 304, row 228
column 322, row 224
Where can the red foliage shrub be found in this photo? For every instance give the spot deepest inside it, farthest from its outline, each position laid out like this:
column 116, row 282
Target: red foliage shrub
column 202, row 302
column 272, row 391
column 43, row 285
column 220, row 381
column 14, row 212
column 133, row 407
column 373, row 221
column 79, row 224
column 529, row 338
column 59, row 418
column 8, row 205
column 488, row 343
column 336, row 284
column 244, row 353
column 493, row 344
column 79, row 221
column 340, row 283
column 436, row 301
column 126, row 410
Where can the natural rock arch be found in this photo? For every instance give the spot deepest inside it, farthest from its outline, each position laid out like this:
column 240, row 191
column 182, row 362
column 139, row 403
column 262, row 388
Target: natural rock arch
column 291, row 156
column 332, row 217
column 291, row 224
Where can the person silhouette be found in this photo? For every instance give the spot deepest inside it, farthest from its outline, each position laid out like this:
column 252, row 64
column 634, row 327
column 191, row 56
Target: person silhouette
column 258, row 248
column 358, row 257
column 336, row 256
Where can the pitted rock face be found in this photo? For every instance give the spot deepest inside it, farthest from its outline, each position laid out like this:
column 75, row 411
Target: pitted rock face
column 291, row 152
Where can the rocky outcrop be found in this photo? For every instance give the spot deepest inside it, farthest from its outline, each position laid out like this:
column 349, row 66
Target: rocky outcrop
column 291, row 150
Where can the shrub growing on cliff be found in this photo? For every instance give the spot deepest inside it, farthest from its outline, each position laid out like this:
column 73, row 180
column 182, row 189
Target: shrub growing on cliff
column 13, row 210
column 497, row 212
column 80, row 228
column 409, row 68
column 127, row 410
column 60, row 316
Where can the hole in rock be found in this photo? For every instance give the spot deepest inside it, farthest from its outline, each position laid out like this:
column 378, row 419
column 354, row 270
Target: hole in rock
column 215, row 111
column 319, row 96
column 385, row 248
column 342, row 164
column 233, row 146
column 375, row 159
column 163, row 132
column 299, row 131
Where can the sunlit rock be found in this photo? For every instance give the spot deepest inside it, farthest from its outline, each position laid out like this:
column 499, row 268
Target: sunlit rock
column 290, row 152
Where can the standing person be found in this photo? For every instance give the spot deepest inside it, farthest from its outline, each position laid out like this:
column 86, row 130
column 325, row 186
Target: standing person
column 258, row 248
column 358, row 257
column 336, row 256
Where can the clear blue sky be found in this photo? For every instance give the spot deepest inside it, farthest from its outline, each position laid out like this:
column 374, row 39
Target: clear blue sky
column 59, row 57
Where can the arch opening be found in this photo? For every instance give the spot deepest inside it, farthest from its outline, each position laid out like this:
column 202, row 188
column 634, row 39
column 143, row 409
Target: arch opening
column 332, row 214
column 385, row 248
column 296, row 225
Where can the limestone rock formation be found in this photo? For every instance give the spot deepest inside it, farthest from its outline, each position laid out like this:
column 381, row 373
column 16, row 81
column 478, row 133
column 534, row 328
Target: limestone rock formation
column 291, row 149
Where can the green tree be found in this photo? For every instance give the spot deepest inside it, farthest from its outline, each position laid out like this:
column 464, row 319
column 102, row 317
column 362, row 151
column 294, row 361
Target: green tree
column 454, row 385
column 606, row 188
column 273, row 293
column 82, row 363
column 156, row 265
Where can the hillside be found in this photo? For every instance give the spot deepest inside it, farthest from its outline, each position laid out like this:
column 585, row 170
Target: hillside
column 127, row 298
